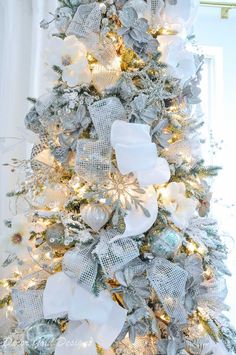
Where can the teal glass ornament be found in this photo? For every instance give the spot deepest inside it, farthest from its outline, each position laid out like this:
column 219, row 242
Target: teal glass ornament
column 41, row 338
column 166, row 243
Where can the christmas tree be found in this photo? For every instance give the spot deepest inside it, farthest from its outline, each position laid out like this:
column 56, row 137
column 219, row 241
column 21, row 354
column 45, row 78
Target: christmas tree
column 116, row 253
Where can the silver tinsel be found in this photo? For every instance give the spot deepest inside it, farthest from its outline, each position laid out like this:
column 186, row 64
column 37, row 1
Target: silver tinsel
column 27, row 297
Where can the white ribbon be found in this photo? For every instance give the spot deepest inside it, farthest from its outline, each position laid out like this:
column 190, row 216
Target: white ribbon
column 136, row 153
column 92, row 319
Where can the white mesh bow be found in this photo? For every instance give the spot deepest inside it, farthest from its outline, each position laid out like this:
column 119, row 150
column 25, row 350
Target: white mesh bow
column 86, row 20
column 169, row 281
column 27, row 297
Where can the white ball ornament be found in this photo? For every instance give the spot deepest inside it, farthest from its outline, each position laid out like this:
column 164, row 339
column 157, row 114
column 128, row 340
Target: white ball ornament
column 95, row 215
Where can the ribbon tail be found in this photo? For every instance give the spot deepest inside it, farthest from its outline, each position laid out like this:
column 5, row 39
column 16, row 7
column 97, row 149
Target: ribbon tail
column 158, row 175
column 77, row 339
column 57, row 296
column 106, row 334
column 137, row 214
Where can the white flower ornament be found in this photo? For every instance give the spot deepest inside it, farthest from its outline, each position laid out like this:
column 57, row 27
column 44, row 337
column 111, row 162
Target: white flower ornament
column 70, row 56
column 175, row 201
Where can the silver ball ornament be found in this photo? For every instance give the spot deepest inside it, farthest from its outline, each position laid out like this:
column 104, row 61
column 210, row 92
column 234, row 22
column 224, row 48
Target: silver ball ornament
column 95, row 215
column 55, row 235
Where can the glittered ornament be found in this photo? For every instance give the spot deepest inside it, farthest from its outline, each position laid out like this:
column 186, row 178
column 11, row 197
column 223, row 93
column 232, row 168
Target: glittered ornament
column 166, row 243
column 55, row 235
column 41, row 338
column 95, row 215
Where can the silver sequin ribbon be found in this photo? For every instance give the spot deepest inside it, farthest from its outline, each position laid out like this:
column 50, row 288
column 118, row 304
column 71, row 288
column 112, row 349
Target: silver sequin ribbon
column 93, row 159
column 81, row 263
column 169, row 281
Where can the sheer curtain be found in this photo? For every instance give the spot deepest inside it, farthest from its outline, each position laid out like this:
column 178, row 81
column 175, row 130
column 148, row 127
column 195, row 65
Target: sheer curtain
column 22, row 45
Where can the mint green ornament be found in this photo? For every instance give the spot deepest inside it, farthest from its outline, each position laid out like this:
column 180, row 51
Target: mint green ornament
column 41, row 338
column 166, row 243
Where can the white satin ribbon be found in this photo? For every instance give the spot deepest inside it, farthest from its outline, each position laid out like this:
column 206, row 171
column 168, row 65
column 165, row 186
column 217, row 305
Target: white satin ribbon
column 136, row 153
column 92, row 319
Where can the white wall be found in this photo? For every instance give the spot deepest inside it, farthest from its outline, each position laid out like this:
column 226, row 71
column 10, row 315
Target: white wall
column 21, row 75
column 212, row 31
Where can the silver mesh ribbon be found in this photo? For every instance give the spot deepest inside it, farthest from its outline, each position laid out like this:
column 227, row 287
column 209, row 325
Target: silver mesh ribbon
column 104, row 113
column 102, row 48
column 113, row 256
column 169, row 281
column 155, row 7
column 86, row 20
column 93, row 159
column 27, row 297
column 80, row 265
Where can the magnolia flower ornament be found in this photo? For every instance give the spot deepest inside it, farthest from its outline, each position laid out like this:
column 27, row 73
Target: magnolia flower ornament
column 175, row 201
column 175, row 54
column 70, row 56
column 16, row 238
column 92, row 319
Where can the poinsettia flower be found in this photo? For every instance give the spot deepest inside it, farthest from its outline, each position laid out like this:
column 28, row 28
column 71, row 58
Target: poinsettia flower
column 180, row 207
column 69, row 55
column 134, row 33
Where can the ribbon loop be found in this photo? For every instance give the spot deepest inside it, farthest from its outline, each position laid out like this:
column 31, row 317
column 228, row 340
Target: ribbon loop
column 86, row 20
column 169, row 282
column 105, row 318
column 136, row 153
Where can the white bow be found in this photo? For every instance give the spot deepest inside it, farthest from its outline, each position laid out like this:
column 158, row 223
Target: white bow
column 136, row 153
column 92, row 319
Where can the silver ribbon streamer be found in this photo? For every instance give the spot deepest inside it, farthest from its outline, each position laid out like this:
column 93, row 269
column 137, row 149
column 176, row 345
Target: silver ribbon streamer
column 86, row 20
column 27, row 297
column 155, row 7
column 104, row 113
column 81, row 263
column 93, row 159
column 113, row 256
column 169, row 281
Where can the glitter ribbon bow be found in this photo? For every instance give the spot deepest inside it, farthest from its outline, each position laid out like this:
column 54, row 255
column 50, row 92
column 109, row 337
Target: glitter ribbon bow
column 82, row 265
column 92, row 319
